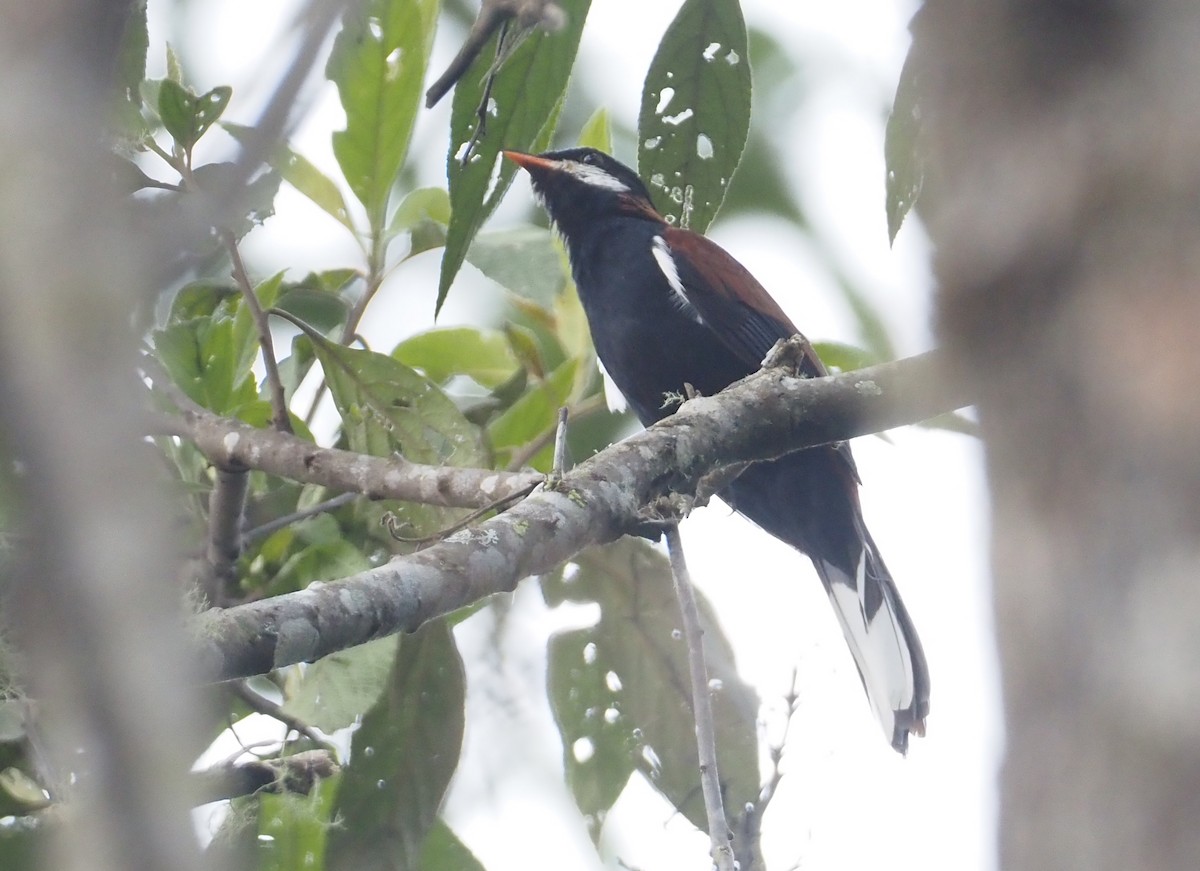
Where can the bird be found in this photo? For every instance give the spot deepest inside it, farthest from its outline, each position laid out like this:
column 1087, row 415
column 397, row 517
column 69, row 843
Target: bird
column 668, row 307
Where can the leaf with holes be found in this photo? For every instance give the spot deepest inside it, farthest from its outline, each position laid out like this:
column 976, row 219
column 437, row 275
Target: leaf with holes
column 620, row 689
column 187, row 116
column 695, row 113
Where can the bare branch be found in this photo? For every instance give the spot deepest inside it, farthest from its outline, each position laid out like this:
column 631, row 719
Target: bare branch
column 719, row 835
column 225, row 506
column 297, row 773
column 231, row 443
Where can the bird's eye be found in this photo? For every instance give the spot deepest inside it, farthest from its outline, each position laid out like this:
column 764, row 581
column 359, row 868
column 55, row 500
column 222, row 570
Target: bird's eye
column 589, row 158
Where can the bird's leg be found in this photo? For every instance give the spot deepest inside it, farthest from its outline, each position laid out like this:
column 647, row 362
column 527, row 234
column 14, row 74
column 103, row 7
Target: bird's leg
column 789, row 354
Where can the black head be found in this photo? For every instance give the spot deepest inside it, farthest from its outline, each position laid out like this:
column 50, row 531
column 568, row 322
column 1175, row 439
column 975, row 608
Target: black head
column 582, row 185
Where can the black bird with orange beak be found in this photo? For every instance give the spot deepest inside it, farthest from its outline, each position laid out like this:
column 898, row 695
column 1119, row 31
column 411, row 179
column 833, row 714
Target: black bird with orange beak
column 669, row 307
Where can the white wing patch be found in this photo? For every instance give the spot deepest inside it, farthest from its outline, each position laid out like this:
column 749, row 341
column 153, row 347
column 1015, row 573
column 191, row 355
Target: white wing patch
column 662, row 256
column 593, row 176
column 613, row 397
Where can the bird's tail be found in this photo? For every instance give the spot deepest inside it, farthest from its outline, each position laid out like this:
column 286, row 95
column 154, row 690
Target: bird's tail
column 882, row 640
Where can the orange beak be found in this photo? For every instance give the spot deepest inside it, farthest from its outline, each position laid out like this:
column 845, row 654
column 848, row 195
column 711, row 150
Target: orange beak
column 529, row 161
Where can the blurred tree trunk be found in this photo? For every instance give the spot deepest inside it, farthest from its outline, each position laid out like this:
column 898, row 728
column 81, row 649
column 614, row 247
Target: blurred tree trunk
column 90, row 600
column 1065, row 138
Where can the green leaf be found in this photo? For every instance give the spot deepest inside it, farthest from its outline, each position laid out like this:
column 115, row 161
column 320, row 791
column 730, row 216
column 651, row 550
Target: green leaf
column 424, row 215
column 536, row 412
column 522, row 111
column 620, row 690
column 386, row 407
column 901, row 149
column 302, row 174
column 484, row 355
column 22, row 788
column 293, row 829
column 337, row 689
column 402, row 758
column 317, row 300
column 174, row 67
column 521, row 259
column 695, row 112
column 842, row 357
column 200, row 299
column 443, row 851
column 224, row 183
column 131, row 55
column 423, row 204
column 187, row 116
column 378, row 64
column 326, row 561
column 597, row 132
column 202, row 357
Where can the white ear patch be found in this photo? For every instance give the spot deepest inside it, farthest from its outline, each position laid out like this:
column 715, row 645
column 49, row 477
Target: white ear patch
column 593, row 176
column 662, row 256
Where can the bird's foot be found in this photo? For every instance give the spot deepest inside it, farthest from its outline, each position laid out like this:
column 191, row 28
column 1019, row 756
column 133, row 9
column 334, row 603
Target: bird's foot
column 789, row 354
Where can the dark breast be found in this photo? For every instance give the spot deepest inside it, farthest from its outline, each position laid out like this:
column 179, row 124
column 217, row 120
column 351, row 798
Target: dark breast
column 649, row 345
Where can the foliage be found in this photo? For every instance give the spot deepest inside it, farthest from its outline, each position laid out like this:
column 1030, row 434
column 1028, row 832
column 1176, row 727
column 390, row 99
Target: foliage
column 480, row 394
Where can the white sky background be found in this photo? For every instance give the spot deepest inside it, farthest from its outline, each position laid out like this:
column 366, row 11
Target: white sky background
column 847, row 801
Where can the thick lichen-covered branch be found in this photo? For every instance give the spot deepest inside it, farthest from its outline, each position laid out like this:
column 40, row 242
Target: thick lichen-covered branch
column 766, row 415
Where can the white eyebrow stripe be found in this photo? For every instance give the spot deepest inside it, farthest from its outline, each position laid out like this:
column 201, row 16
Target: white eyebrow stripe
column 662, row 256
column 593, row 176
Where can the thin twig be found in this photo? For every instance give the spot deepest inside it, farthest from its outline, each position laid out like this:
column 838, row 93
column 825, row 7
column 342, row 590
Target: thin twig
column 296, row 774
column 492, row 13
column 265, row 706
column 578, row 412
column 295, row 517
column 481, row 111
column 751, row 823
column 706, row 743
column 392, row 524
column 279, row 409
column 560, row 444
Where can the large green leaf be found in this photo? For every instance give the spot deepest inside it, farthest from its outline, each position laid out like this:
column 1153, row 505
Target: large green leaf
column 293, row 829
column 522, row 110
column 620, row 689
column 443, row 851
column 402, row 758
column 484, row 355
column 386, row 408
column 378, row 64
column 521, row 259
column 302, row 174
column 535, row 413
column 206, row 360
column 336, row 689
column 695, row 111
